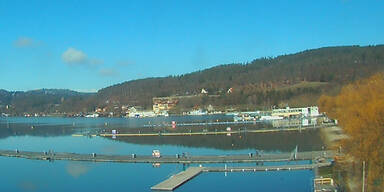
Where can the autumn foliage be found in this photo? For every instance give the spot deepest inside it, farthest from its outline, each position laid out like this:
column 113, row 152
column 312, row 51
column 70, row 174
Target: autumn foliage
column 359, row 109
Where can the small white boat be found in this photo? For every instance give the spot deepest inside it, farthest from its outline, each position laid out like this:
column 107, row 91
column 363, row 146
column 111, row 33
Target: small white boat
column 268, row 118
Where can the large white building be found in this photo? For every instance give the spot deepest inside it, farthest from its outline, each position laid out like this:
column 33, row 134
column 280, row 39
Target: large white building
column 312, row 111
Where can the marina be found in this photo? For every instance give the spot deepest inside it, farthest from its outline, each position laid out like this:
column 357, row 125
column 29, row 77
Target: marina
column 50, row 142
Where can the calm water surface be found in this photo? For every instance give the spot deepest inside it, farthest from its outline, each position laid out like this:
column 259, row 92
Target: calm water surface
column 42, row 134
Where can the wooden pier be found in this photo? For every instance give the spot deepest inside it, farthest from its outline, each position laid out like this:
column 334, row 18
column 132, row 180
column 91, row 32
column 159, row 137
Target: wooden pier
column 179, row 179
column 177, row 158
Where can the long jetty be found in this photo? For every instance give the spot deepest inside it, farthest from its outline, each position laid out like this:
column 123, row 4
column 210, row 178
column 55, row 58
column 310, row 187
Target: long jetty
column 133, row 158
column 203, row 123
column 198, row 133
column 179, row 179
column 182, row 124
column 206, row 132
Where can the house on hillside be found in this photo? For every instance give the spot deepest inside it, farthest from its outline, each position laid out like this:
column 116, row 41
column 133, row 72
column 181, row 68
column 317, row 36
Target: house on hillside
column 164, row 104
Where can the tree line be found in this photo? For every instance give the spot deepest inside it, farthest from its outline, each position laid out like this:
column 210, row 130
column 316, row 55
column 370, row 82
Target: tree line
column 359, row 109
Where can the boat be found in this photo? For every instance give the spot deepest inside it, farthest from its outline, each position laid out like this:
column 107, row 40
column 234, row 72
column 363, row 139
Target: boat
column 269, row 118
column 92, row 115
column 244, row 117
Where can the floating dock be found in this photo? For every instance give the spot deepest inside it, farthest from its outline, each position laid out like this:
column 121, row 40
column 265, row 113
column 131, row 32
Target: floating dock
column 177, row 158
column 266, row 168
column 199, row 133
column 206, row 132
column 203, row 123
column 177, row 180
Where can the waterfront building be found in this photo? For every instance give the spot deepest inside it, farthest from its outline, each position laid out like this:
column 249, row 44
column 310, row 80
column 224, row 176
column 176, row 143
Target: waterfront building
column 288, row 112
column 164, row 104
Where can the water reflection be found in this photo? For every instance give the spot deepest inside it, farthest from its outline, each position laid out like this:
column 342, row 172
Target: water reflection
column 28, row 186
column 76, row 169
column 249, row 181
column 278, row 141
column 110, row 149
column 282, row 141
column 21, row 129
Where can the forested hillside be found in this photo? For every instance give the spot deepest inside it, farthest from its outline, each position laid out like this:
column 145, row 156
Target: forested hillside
column 293, row 79
column 296, row 80
column 44, row 101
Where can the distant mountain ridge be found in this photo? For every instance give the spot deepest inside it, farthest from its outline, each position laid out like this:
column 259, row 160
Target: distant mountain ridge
column 294, row 79
column 41, row 100
column 64, row 92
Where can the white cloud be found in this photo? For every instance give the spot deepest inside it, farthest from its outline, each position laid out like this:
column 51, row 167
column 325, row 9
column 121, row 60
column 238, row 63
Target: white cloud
column 74, row 56
column 108, row 72
column 23, row 42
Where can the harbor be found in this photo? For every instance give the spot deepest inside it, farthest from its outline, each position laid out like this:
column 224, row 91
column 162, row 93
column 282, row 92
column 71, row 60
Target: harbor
column 246, row 147
column 317, row 159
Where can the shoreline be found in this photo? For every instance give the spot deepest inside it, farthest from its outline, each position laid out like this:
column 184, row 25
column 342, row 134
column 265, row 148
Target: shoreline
column 344, row 166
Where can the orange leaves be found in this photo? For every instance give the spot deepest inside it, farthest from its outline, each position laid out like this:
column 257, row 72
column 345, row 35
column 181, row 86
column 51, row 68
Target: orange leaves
column 359, row 109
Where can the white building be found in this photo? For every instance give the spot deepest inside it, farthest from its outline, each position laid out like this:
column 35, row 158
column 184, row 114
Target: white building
column 141, row 114
column 312, row 111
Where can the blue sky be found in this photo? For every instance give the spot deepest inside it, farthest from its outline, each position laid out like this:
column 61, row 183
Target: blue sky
column 87, row 45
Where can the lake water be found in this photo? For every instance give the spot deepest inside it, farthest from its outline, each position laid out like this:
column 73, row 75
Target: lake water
column 48, row 133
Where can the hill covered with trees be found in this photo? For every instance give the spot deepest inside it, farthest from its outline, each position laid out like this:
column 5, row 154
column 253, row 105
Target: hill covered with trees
column 296, row 80
column 44, row 101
